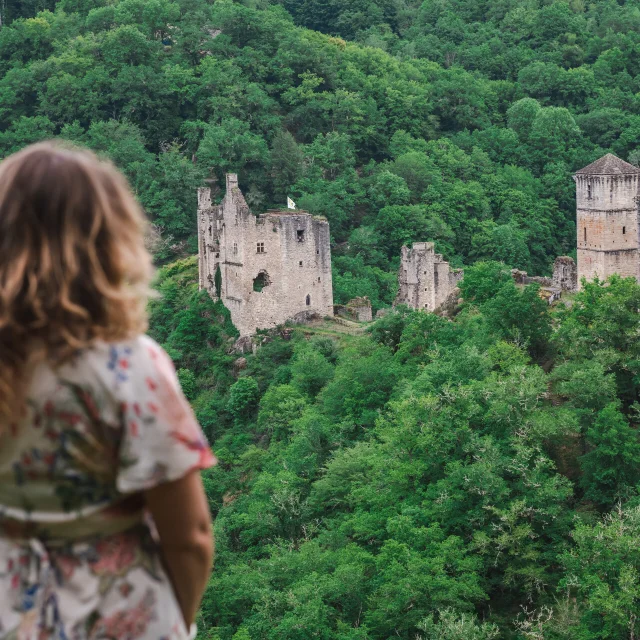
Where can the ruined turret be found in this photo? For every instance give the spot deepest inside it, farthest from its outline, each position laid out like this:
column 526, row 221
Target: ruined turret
column 607, row 218
column 425, row 279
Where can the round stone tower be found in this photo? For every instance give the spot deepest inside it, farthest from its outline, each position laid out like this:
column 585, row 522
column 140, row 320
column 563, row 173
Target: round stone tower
column 607, row 219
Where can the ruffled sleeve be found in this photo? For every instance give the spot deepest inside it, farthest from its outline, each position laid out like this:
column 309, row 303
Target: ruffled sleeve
column 162, row 440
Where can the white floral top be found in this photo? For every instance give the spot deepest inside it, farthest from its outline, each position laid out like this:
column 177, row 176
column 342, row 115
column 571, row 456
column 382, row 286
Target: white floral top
column 78, row 560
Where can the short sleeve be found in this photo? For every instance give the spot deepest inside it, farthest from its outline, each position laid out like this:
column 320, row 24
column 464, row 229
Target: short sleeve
column 162, row 440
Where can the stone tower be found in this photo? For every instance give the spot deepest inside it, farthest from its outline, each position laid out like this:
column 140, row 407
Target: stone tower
column 607, row 219
column 266, row 269
column 425, row 279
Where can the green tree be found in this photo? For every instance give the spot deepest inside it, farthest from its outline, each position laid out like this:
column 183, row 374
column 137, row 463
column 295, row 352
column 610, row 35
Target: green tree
column 310, row 370
column 279, row 407
column 451, row 625
column 521, row 116
column 502, row 243
column 521, row 316
column 483, row 281
column 286, row 163
column 610, row 467
column 554, row 136
column 188, row 383
column 243, row 399
column 602, row 573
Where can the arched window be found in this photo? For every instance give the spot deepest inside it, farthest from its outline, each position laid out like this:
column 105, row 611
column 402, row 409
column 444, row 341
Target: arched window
column 308, row 300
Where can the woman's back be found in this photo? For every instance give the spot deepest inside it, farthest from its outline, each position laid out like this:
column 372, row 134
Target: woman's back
column 96, row 433
column 104, row 524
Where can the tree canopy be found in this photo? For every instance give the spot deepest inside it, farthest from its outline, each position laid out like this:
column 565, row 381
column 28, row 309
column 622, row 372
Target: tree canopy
column 456, row 121
column 433, row 478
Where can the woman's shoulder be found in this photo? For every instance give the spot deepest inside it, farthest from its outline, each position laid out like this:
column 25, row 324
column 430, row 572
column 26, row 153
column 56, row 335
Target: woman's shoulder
column 117, row 364
column 124, row 353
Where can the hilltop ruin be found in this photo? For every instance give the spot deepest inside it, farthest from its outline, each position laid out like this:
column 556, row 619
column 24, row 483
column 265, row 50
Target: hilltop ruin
column 266, row 269
column 425, row 279
column 607, row 219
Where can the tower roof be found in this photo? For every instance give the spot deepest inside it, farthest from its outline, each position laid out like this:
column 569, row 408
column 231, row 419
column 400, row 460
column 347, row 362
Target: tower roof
column 608, row 165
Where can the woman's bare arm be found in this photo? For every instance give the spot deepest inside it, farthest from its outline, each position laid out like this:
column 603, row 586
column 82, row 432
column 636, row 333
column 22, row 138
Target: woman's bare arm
column 182, row 517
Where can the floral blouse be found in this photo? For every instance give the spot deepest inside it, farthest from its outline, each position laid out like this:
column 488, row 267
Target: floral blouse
column 78, row 557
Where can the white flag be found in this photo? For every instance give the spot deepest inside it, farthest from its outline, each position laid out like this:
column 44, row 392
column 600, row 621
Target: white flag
column 291, row 204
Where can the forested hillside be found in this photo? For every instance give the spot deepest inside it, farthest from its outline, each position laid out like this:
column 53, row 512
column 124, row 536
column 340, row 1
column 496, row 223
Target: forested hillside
column 465, row 479
column 459, row 121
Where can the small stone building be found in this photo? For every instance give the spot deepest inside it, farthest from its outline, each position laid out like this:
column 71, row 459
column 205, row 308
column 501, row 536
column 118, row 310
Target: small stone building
column 266, row 269
column 425, row 279
column 361, row 309
column 358, row 309
column 607, row 219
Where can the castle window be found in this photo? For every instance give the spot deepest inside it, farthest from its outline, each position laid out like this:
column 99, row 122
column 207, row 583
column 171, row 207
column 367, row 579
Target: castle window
column 300, row 233
column 585, row 234
column 260, row 248
column 435, row 278
column 624, row 230
column 308, row 301
column 300, row 263
column 589, row 194
column 235, row 248
column 318, row 278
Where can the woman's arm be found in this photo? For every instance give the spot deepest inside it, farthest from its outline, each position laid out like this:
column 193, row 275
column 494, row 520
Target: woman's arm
column 182, row 517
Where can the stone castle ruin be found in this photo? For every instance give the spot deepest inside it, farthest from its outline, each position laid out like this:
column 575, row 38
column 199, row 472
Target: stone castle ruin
column 266, row 269
column 608, row 242
column 425, row 279
column 607, row 219
column 276, row 267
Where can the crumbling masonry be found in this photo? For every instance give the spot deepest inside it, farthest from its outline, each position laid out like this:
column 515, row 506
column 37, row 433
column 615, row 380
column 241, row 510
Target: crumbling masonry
column 266, row 269
column 425, row 279
column 565, row 274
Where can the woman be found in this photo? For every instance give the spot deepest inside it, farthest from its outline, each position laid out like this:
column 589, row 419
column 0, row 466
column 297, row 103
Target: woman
column 104, row 526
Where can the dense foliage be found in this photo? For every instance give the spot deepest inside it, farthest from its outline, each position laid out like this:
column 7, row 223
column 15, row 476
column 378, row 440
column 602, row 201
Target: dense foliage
column 456, row 121
column 466, row 479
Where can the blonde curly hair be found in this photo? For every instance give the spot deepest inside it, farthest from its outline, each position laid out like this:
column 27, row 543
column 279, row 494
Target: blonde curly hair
column 73, row 266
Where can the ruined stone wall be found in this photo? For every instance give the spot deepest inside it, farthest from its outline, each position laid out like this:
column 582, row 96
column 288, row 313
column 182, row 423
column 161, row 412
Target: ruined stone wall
column 272, row 267
column 361, row 309
column 565, row 274
column 357, row 310
column 425, row 279
column 607, row 226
